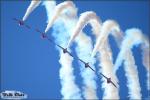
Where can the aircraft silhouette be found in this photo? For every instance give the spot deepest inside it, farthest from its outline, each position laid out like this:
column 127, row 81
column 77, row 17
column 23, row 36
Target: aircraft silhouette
column 64, row 49
column 21, row 23
column 108, row 80
column 87, row 65
column 45, row 36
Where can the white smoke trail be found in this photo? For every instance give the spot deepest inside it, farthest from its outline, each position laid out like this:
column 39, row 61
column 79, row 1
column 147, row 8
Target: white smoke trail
column 58, row 10
column 133, row 37
column 32, row 6
column 106, row 56
column 90, row 85
column 146, row 53
column 49, row 6
column 83, row 49
column 83, row 21
column 69, row 89
column 84, row 53
column 107, row 27
column 132, row 76
column 107, row 69
column 90, row 17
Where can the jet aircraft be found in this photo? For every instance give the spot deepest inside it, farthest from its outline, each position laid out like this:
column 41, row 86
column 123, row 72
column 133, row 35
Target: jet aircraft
column 21, row 23
column 87, row 65
column 43, row 36
column 64, row 49
column 108, row 80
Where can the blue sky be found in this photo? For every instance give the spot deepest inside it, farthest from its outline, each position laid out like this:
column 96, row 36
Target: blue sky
column 30, row 64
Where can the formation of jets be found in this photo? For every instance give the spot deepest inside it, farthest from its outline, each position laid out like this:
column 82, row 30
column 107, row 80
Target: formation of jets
column 44, row 36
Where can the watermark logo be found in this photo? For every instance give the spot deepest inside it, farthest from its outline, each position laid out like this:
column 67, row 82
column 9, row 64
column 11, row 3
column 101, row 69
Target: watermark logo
column 12, row 94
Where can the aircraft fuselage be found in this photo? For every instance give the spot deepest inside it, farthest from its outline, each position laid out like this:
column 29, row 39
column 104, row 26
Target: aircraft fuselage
column 64, row 50
column 43, row 36
column 86, row 65
column 108, row 80
column 21, row 23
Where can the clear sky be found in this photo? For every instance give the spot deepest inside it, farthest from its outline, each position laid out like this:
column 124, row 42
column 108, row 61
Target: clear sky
column 30, row 64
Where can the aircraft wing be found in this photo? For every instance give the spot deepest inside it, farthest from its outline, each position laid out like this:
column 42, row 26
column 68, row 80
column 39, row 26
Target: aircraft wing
column 107, row 78
column 113, row 84
column 104, row 76
column 37, row 30
column 92, row 69
column 81, row 60
column 55, row 43
column 27, row 26
column 60, row 47
column 15, row 19
column 69, row 53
